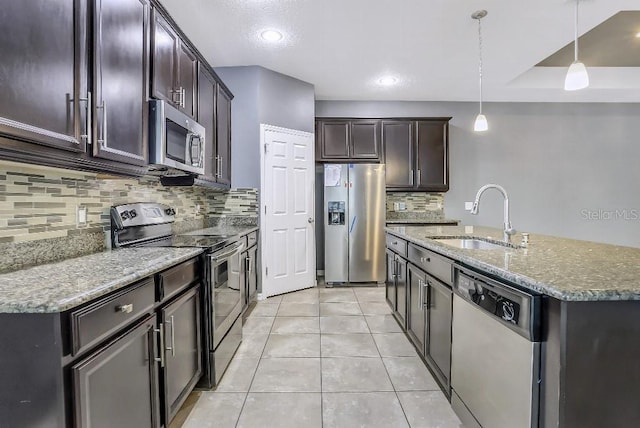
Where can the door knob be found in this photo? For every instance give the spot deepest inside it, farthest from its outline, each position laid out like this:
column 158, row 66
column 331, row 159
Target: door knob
column 310, row 220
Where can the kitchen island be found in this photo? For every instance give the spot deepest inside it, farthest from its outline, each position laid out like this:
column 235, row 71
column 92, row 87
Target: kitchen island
column 590, row 314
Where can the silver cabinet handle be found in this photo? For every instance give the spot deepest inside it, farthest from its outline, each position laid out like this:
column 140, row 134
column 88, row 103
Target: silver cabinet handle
column 411, row 177
column 183, row 95
column 420, row 293
column 219, row 166
column 103, row 141
column 160, row 331
column 88, row 123
column 172, row 348
column 125, row 309
column 425, row 259
column 248, row 264
column 418, row 179
column 217, row 174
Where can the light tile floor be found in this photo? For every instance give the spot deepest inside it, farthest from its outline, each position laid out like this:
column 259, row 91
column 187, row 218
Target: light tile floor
column 324, row 357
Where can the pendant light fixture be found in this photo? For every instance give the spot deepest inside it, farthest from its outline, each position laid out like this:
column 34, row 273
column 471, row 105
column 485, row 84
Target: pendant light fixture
column 481, row 123
column 577, row 77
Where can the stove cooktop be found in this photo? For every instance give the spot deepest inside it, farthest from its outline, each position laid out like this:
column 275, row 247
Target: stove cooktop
column 181, row 241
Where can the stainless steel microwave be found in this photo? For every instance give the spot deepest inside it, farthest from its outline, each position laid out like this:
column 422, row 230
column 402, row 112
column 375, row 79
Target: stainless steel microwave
column 176, row 141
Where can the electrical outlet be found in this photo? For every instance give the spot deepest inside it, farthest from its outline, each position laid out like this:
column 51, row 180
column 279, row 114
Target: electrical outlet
column 402, row 206
column 81, row 216
column 197, row 210
column 468, row 206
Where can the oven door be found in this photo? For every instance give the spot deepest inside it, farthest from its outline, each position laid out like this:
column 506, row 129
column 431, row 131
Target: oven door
column 227, row 291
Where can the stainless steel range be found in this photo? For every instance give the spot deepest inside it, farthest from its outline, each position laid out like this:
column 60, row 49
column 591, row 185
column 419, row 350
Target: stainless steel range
column 149, row 224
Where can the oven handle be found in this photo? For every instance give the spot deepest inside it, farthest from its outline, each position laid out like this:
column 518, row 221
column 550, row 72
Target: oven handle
column 235, row 250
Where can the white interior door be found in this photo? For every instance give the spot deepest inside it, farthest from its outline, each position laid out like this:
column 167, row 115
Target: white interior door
column 287, row 210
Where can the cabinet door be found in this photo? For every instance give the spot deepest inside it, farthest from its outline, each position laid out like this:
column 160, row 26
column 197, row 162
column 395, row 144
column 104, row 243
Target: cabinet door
column 416, row 317
column 43, row 73
column 186, row 82
column 121, row 45
column 334, row 140
column 432, row 169
column 116, row 386
column 223, row 136
column 365, row 140
column 401, row 290
column 206, row 118
column 439, row 345
column 390, row 284
column 397, row 139
column 165, row 45
column 252, row 274
column 183, row 350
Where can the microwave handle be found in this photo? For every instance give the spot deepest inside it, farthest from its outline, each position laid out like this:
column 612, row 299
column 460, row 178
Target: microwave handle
column 192, row 137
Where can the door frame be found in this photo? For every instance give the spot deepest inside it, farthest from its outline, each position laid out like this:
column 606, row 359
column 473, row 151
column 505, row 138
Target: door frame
column 261, row 202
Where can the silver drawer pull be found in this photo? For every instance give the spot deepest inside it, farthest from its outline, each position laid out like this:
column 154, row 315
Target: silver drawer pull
column 125, row 309
column 425, row 259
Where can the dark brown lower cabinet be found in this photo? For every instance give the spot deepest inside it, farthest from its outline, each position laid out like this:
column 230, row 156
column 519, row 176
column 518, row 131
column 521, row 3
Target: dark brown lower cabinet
column 390, row 284
column 182, row 350
column 252, row 274
column 438, row 350
column 117, row 386
column 416, row 313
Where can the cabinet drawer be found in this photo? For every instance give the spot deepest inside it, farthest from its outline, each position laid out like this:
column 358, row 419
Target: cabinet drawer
column 176, row 279
column 396, row 244
column 432, row 263
column 95, row 322
column 252, row 239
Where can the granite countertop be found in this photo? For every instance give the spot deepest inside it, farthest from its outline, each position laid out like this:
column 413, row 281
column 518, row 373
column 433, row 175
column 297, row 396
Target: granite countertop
column 566, row 269
column 421, row 221
column 57, row 287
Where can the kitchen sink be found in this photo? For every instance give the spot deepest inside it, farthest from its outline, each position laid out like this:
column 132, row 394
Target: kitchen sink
column 474, row 243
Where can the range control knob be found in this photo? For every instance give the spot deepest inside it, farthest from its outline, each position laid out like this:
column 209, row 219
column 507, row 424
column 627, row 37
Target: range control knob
column 133, row 213
column 170, row 211
column 125, row 215
column 507, row 311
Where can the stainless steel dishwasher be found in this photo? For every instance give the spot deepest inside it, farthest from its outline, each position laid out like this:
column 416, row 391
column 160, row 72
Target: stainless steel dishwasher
column 495, row 356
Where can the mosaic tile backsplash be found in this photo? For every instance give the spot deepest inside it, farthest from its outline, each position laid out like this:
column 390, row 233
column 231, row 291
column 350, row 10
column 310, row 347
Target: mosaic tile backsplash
column 38, row 208
column 418, row 205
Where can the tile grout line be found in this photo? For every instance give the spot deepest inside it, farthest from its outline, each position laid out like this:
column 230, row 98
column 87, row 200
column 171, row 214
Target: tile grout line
column 256, row 371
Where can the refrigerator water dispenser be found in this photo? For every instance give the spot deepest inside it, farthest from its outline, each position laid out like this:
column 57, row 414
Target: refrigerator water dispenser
column 336, row 213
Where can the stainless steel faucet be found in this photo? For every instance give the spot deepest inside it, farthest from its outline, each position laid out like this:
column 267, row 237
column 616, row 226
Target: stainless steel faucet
column 508, row 230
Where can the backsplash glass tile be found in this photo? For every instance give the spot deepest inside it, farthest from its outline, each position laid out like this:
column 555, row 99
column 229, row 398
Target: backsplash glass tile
column 418, row 205
column 40, row 203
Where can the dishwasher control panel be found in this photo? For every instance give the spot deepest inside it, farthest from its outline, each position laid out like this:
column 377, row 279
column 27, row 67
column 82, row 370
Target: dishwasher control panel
column 514, row 307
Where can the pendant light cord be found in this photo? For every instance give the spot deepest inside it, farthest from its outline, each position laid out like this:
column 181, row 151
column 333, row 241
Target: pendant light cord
column 576, row 34
column 480, row 59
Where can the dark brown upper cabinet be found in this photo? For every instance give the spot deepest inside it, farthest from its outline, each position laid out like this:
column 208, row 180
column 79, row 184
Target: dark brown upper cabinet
column 120, row 80
column 397, row 138
column 341, row 140
column 416, row 154
column 207, row 118
column 43, row 73
column 223, row 136
column 175, row 67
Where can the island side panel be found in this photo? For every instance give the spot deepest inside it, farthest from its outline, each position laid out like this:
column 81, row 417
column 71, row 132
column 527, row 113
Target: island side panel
column 31, row 386
column 601, row 382
column 551, row 363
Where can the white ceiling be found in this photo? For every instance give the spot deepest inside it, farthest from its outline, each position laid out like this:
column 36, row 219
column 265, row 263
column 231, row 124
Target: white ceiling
column 344, row 46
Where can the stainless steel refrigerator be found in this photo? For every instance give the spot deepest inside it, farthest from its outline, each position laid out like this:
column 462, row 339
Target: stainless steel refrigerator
column 354, row 218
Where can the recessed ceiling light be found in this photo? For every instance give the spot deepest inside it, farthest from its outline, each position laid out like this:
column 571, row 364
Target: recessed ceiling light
column 388, row 80
column 271, row 36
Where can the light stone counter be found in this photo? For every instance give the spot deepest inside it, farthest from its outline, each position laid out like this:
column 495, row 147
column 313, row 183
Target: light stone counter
column 57, row 287
column 566, row 269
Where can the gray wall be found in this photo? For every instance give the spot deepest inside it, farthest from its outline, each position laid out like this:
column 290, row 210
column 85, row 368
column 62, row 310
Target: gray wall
column 262, row 96
column 567, row 167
